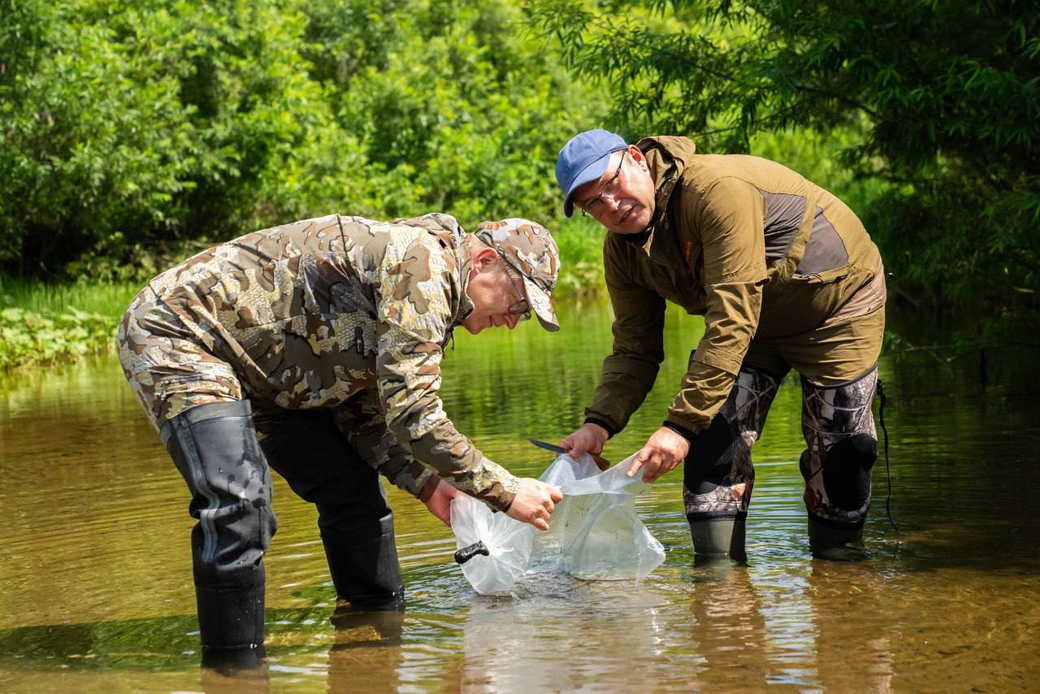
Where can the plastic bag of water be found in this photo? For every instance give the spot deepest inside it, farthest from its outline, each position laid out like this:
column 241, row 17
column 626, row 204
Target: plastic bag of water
column 595, row 532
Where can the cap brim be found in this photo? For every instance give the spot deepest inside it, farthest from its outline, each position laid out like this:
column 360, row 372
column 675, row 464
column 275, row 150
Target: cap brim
column 541, row 304
column 590, row 173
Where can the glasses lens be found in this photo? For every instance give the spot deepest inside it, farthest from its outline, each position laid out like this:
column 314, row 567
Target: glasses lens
column 521, row 309
column 606, row 188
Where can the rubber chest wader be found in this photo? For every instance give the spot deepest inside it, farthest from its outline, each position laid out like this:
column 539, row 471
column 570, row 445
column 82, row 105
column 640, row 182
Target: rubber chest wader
column 215, row 448
column 838, row 427
column 357, row 527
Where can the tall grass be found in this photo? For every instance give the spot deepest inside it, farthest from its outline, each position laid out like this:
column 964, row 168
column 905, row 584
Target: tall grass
column 104, row 298
column 581, row 256
column 44, row 323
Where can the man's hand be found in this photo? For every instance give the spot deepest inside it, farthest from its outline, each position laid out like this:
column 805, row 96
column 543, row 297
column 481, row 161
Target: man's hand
column 589, row 438
column 439, row 503
column 661, row 453
column 534, row 502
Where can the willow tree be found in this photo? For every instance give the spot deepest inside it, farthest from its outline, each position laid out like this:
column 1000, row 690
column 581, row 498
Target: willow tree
column 944, row 97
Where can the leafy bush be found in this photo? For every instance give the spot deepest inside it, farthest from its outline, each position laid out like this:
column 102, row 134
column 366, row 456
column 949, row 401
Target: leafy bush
column 941, row 101
column 27, row 337
column 129, row 130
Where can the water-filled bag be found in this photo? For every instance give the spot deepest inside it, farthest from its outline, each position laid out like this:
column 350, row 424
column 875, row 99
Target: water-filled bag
column 594, row 532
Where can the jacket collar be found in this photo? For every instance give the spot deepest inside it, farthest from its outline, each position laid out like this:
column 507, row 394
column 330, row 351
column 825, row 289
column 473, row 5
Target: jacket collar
column 465, row 306
column 451, row 232
column 667, row 158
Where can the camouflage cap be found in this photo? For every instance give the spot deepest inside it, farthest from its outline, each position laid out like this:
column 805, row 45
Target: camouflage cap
column 528, row 248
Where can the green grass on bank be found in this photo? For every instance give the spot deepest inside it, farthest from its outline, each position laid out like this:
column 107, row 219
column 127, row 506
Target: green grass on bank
column 104, row 298
column 44, row 323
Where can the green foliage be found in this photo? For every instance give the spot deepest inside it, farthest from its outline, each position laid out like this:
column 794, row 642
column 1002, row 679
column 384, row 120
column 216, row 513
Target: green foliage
column 90, row 296
column 27, row 337
column 941, row 98
column 130, row 131
column 44, row 323
column 123, row 123
column 455, row 108
column 581, row 251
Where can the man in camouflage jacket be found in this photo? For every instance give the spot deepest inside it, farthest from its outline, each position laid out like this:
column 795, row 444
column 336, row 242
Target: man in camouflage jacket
column 314, row 348
column 785, row 276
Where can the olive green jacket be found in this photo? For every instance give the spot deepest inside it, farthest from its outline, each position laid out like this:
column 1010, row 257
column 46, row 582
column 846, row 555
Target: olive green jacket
column 752, row 246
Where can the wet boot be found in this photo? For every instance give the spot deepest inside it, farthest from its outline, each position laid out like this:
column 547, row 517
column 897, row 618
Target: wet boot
column 231, row 616
column 216, row 451
column 718, row 539
column 235, row 662
column 718, row 477
column 364, row 566
column 836, row 542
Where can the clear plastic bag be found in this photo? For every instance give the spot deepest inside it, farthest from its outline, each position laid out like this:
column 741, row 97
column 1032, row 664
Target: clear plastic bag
column 594, row 534
column 507, row 544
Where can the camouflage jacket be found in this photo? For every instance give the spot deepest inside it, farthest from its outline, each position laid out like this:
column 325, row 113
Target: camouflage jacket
column 345, row 313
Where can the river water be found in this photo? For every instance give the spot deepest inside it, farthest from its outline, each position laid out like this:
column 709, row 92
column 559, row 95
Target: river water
column 96, row 581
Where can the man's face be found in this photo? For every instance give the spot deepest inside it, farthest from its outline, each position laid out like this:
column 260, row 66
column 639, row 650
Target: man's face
column 622, row 199
column 497, row 295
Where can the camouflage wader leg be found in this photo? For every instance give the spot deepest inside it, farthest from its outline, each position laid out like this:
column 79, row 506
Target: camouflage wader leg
column 215, row 449
column 718, row 476
column 838, row 427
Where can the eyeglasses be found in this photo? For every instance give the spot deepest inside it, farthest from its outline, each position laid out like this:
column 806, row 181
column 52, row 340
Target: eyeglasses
column 521, row 307
column 591, row 207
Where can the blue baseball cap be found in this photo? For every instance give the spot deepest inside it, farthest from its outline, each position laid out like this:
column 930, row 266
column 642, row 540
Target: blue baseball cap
column 584, row 158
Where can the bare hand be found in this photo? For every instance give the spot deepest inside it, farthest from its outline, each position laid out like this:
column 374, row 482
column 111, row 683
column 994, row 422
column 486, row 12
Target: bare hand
column 588, row 438
column 662, row 452
column 534, row 502
column 439, row 503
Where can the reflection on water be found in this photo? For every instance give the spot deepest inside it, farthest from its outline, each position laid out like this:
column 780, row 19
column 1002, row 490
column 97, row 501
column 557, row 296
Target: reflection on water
column 97, row 592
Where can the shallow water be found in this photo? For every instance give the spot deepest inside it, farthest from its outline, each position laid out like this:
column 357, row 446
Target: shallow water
column 96, row 577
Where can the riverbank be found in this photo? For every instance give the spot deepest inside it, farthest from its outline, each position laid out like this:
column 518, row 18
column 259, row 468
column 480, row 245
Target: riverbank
column 46, row 323
column 42, row 324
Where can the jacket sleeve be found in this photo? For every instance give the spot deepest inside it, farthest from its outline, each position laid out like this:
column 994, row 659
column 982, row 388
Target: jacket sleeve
column 629, row 371
column 363, row 424
column 730, row 221
column 413, row 318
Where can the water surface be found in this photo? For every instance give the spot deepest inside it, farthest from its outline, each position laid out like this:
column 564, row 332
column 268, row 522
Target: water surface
column 96, row 578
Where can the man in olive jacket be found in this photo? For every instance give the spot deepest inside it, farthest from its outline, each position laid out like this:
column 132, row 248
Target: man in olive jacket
column 785, row 276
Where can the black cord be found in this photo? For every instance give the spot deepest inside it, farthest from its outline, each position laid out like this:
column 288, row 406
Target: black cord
column 888, row 467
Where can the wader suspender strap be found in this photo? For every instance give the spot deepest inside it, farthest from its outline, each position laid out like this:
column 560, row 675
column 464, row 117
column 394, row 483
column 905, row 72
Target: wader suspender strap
column 888, row 469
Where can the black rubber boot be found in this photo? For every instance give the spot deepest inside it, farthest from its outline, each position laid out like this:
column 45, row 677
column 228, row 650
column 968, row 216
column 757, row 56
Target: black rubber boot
column 718, row 539
column 216, row 451
column 828, row 540
column 235, row 662
column 357, row 527
column 231, row 617
column 364, row 565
